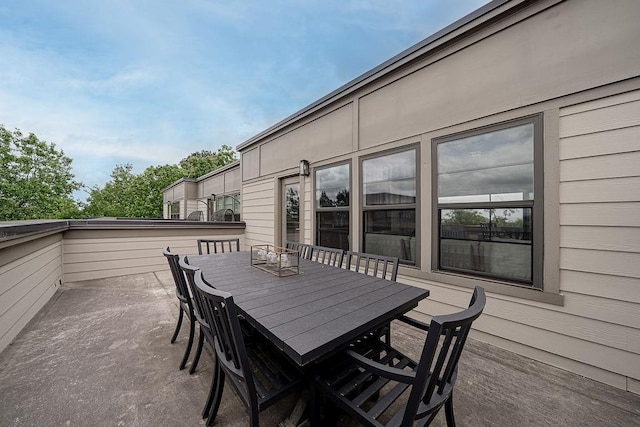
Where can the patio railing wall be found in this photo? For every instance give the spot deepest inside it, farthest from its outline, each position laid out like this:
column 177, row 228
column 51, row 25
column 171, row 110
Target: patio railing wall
column 36, row 257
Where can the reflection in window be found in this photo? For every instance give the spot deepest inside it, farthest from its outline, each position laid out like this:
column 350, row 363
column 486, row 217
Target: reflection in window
column 332, row 187
column 389, row 205
column 175, row 210
column 227, row 207
column 485, row 202
column 492, row 242
column 494, row 166
column 332, row 206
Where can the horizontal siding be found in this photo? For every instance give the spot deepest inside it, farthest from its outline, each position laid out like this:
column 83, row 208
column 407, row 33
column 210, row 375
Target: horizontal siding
column 603, row 262
column 606, row 166
column 94, row 258
column 258, row 208
column 601, row 190
column 573, row 340
column 600, row 235
column 26, row 284
column 618, row 239
column 619, row 214
column 601, row 285
column 603, row 117
column 618, row 141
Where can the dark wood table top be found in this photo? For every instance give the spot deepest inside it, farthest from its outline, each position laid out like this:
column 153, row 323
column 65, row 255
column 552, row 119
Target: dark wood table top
column 311, row 315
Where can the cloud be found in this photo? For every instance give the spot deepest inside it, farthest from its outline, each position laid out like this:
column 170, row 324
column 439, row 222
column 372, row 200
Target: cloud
column 148, row 83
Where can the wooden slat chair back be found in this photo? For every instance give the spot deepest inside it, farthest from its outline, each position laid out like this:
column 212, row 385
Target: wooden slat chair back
column 219, row 246
column 206, row 333
column 184, row 299
column 304, row 249
column 373, row 265
column 329, row 256
column 259, row 376
column 369, row 382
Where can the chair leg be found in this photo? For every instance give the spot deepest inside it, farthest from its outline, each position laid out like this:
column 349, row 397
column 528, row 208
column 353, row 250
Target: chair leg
column 175, row 333
column 196, row 358
column 213, row 392
column 448, row 411
column 219, row 388
column 189, row 344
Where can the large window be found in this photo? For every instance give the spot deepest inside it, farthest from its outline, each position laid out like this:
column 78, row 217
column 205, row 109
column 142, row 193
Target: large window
column 389, row 205
column 489, row 202
column 332, row 206
column 227, row 207
column 174, row 210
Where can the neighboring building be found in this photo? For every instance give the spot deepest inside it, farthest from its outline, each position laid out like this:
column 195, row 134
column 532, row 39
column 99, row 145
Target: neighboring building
column 503, row 151
column 211, row 197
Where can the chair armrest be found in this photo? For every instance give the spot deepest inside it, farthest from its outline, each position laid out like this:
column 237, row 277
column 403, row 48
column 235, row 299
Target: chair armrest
column 413, row 322
column 382, row 370
column 420, row 325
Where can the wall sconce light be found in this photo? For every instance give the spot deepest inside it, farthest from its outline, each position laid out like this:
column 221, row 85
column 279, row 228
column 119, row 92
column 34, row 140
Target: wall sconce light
column 304, row 168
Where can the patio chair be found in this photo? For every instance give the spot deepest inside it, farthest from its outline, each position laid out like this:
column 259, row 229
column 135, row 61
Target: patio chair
column 218, row 245
column 379, row 266
column 329, row 256
column 259, row 374
column 374, row 265
column 366, row 384
column 304, row 249
column 184, row 299
column 205, row 334
column 189, row 272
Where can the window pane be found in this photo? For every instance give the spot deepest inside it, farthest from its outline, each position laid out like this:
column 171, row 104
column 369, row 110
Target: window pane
column 292, row 208
column 332, row 186
column 391, row 233
column 333, row 229
column 390, row 179
column 493, row 166
column 495, row 242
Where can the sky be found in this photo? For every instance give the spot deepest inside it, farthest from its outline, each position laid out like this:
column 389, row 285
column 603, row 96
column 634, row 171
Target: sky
column 148, row 82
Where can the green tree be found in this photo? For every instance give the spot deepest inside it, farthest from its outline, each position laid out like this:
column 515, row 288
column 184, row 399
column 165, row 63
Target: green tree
column 464, row 216
column 132, row 195
column 129, row 195
column 35, row 179
column 202, row 162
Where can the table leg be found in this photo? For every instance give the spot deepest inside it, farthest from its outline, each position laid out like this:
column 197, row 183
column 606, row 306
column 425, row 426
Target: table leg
column 295, row 419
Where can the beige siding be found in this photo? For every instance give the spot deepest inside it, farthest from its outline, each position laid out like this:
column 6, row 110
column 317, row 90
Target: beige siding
column 194, row 205
column 518, row 66
column 600, row 214
column 88, row 255
column 258, row 211
column 26, row 284
column 555, row 53
column 333, row 132
column 215, row 185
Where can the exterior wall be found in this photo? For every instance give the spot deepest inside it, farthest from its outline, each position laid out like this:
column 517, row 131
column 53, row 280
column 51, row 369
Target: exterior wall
column 542, row 58
column 258, row 211
column 94, row 254
column 192, row 193
column 30, row 273
column 38, row 258
column 600, row 222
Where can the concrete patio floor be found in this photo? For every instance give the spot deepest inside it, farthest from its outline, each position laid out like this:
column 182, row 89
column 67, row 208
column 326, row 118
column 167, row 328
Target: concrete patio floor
column 98, row 354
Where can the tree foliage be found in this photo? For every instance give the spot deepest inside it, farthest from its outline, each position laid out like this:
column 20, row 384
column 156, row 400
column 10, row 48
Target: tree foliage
column 129, row 195
column 202, row 162
column 132, row 195
column 35, row 179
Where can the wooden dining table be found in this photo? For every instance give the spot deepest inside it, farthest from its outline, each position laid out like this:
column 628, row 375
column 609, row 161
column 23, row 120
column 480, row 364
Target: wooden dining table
column 311, row 315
